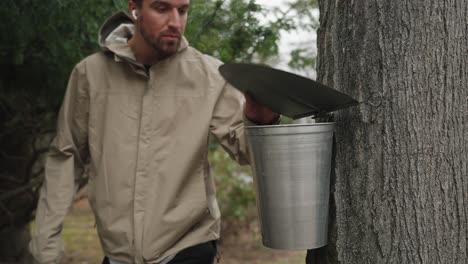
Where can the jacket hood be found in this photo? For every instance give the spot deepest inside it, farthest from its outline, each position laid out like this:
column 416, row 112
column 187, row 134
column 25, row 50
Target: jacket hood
column 115, row 33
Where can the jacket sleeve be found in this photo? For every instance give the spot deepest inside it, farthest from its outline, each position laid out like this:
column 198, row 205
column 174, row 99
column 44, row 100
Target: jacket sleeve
column 65, row 162
column 227, row 124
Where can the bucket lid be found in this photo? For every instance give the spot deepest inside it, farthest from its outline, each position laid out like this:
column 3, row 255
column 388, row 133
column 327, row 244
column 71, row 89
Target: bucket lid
column 285, row 93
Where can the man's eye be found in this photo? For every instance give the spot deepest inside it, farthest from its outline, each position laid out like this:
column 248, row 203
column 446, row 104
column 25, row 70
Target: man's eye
column 162, row 9
column 183, row 11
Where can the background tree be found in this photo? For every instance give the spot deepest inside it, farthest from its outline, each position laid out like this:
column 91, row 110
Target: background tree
column 401, row 183
column 41, row 41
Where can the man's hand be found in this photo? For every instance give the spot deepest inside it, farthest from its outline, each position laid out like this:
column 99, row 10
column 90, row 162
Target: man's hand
column 258, row 113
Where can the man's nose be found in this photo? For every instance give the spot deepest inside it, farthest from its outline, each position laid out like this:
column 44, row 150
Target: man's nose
column 174, row 19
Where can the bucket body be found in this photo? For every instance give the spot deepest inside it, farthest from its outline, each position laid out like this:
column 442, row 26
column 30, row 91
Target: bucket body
column 291, row 165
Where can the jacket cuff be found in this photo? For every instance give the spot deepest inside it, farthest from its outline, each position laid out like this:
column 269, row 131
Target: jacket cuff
column 31, row 259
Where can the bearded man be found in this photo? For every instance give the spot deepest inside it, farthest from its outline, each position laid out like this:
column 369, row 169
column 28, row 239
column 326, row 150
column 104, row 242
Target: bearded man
column 140, row 112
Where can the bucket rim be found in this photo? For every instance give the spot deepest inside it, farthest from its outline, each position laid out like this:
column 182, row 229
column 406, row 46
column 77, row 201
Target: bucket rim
column 291, row 129
column 290, row 125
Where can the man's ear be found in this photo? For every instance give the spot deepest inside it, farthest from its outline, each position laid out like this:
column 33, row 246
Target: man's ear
column 132, row 8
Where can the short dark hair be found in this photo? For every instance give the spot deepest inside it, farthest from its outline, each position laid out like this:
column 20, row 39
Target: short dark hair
column 138, row 2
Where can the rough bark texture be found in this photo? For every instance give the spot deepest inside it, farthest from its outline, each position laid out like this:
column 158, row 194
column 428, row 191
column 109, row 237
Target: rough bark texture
column 401, row 187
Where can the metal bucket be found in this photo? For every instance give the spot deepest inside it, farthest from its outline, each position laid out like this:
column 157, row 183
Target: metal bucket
column 291, row 165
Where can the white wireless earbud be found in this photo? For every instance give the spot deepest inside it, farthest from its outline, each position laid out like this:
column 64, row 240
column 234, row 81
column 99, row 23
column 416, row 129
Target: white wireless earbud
column 134, row 14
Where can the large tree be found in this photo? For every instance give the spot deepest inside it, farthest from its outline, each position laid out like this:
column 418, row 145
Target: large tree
column 401, row 182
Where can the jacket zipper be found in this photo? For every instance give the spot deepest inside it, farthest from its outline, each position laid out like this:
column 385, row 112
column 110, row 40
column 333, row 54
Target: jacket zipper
column 137, row 163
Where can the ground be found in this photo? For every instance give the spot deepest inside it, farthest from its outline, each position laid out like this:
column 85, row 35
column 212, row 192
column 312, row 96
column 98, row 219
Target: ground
column 82, row 244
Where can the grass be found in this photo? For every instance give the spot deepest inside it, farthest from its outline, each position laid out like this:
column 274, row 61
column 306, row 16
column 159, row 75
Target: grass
column 82, row 245
column 80, row 236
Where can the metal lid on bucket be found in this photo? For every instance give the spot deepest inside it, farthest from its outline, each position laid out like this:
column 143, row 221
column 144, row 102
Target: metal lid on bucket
column 285, row 93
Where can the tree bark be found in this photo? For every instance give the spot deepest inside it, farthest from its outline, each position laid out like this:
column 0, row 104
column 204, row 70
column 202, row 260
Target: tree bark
column 401, row 187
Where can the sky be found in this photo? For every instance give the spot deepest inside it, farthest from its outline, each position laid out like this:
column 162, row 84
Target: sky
column 290, row 41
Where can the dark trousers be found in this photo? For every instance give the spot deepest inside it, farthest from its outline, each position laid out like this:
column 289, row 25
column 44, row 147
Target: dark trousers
column 203, row 253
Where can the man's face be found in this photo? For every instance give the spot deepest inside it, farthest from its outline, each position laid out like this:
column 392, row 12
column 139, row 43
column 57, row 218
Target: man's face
column 162, row 24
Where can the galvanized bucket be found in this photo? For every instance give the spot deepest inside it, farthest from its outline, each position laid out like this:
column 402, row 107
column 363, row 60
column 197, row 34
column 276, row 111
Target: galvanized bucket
column 291, row 165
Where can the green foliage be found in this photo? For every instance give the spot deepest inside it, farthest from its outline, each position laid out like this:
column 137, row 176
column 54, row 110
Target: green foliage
column 302, row 59
column 40, row 42
column 235, row 191
column 230, row 30
column 45, row 39
column 302, row 10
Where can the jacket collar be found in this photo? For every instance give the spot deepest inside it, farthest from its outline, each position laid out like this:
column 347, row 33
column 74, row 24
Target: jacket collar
column 115, row 33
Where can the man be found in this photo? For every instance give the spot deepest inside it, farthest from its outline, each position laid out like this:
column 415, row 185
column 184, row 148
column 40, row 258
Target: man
column 140, row 113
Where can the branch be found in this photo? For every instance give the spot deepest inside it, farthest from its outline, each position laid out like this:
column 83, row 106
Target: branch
column 7, row 212
column 35, row 175
column 36, row 153
column 8, row 177
column 8, row 156
column 33, row 183
column 208, row 21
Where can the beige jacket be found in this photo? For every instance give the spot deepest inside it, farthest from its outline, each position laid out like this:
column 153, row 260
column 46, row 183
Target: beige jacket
column 145, row 136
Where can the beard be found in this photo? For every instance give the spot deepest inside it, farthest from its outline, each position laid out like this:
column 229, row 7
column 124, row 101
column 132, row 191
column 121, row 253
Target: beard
column 164, row 48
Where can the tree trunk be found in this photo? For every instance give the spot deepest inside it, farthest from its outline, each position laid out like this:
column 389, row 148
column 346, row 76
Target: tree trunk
column 401, row 187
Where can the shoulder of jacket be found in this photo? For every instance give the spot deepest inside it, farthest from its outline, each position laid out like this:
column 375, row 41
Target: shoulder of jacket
column 207, row 64
column 93, row 62
column 204, row 59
